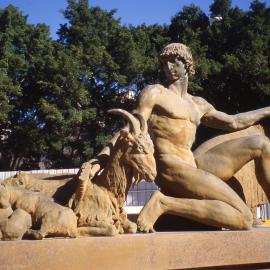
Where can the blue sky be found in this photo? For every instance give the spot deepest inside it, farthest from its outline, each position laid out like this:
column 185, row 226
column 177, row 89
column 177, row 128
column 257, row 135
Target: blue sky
column 133, row 12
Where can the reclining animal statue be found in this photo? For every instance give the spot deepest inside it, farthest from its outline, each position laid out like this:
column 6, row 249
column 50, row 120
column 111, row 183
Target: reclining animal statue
column 52, row 218
column 14, row 224
column 98, row 203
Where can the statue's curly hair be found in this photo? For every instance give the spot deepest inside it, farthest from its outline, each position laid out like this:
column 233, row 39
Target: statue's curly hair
column 183, row 52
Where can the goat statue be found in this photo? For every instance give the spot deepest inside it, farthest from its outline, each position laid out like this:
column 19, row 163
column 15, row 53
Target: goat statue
column 101, row 204
column 98, row 203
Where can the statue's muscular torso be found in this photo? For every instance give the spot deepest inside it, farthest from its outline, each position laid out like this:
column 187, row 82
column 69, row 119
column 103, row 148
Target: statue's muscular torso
column 173, row 121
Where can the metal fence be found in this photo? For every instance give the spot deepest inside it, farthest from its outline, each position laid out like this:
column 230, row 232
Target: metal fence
column 4, row 175
column 263, row 211
column 140, row 194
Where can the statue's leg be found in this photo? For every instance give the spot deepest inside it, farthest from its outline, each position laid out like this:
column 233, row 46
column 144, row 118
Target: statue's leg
column 210, row 212
column 198, row 195
column 225, row 159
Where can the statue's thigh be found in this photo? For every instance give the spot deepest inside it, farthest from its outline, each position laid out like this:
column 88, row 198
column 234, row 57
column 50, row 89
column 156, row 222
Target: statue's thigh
column 225, row 159
column 182, row 180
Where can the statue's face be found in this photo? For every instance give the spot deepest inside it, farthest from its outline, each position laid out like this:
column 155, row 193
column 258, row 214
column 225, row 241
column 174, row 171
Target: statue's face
column 174, row 68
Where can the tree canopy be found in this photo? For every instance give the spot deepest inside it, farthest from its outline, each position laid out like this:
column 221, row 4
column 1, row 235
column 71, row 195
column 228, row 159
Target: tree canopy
column 55, row 93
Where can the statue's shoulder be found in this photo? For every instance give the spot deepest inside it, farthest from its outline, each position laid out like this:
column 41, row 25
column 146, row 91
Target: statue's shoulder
column 202, row 104
column 198, row 100
column 150, row 95
column 153, row 89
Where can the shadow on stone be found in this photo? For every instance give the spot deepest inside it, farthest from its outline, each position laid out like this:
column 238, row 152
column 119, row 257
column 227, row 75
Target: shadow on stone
column 175, row 223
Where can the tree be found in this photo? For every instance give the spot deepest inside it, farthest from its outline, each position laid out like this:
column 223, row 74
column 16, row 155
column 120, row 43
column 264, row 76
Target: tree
column 14, row 35
column 238, row 45
column 119, row 58
column 55, row 94
column 220, row 8
column 45, row 120
column 188, row 26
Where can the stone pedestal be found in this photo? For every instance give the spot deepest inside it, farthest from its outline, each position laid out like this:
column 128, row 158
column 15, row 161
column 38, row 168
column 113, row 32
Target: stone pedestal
column 177, row 250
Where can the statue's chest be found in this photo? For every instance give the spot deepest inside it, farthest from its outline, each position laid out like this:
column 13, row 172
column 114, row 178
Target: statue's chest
column 175, row 107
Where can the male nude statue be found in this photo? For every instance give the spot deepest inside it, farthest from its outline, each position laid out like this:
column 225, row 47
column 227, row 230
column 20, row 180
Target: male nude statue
column 194, row 187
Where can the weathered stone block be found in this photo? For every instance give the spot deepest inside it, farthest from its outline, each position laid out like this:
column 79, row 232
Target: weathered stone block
column 182, row 250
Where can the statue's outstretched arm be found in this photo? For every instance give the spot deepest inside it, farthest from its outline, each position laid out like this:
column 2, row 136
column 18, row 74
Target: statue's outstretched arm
column 235, row 122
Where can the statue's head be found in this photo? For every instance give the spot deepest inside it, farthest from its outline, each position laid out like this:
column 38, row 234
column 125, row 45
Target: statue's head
column 180, row 51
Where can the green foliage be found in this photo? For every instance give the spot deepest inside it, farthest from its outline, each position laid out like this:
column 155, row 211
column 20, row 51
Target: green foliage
column 55, row 94
column 189, row 26
column 220, row 8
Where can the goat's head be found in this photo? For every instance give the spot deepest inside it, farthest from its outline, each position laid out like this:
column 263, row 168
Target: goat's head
column 140, row 153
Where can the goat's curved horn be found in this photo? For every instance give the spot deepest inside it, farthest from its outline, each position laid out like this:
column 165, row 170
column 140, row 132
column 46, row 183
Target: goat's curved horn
column 142, row 122
column 132, row 120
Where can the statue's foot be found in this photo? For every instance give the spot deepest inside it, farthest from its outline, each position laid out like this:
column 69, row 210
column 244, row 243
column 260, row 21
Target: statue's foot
column 129, row 227
column 111, row 231
column 150, row 213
